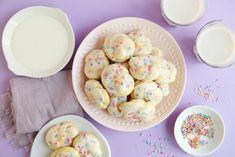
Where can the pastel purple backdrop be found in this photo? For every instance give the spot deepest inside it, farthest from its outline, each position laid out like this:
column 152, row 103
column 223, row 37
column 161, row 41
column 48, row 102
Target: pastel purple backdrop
column 85, row 15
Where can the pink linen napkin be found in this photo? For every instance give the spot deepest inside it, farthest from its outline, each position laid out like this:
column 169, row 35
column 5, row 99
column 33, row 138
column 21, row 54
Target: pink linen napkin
column 32, row 102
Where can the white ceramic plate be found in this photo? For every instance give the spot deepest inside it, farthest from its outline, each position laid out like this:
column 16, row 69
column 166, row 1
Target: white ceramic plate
column 160, row 38
column 40, row 148
column 38, row 41
column 213, row 143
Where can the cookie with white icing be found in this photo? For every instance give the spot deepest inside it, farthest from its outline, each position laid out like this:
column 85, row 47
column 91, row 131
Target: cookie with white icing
column 164, row 88
column 168, row 74
column 87, row 145
column 143, row 45
column 146, row 67
column 138, row 110
column 95, row 62
column 65, row 152
column 113, row 108
column 61, row 135
column 119, row 47
column 156, row 52
column 147, row 91
column 117, row 80
column 97, row 94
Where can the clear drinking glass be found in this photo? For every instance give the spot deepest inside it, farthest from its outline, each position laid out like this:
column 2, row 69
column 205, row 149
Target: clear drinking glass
column 217, row 24
column 166, row 11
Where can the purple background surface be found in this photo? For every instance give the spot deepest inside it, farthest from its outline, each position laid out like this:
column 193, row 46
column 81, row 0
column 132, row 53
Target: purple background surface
column 85, row 15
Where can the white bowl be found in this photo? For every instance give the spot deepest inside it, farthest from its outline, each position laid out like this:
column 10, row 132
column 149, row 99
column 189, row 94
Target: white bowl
column 38, row 41
column 213, row 144
column 160, row 38
column 40, row 148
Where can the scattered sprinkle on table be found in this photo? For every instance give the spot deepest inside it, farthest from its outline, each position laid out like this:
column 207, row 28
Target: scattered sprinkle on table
column 198, row 129
column 158, row 146
column 207, row 91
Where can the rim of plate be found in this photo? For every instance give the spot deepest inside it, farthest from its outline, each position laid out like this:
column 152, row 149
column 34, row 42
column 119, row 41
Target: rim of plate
column 192, row 108
column 68, row 117
column 121, row 126
column 15, row 66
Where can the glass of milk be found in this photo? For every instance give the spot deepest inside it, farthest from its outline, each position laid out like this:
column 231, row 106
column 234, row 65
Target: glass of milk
column 182, row 12
column 215, row 45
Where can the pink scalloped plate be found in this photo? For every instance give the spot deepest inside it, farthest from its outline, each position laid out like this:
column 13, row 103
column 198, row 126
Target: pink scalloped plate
column 161, row 39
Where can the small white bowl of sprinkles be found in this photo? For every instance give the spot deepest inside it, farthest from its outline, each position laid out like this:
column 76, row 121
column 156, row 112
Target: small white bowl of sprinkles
column 199, row 130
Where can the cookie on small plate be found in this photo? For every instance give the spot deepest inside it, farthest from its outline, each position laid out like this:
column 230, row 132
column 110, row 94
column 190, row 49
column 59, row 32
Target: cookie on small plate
column 87, row 145
column 61, row 135
column 65, row 152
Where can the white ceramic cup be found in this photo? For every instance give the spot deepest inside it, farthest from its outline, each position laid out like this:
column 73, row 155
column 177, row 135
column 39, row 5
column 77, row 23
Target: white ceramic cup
column 215, row 45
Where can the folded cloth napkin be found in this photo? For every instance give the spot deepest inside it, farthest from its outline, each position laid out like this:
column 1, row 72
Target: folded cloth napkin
column 30, row 103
